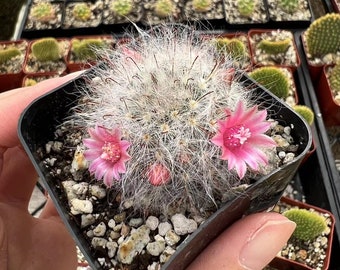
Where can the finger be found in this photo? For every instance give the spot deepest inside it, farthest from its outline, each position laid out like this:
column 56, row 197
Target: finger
column 3, row 246
column 250, row 243
column 13, row 102
column 49, row 211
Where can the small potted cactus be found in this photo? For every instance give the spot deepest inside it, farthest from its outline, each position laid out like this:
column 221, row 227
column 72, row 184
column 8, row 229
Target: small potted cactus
column 44, row 15
column 12, row 56
column 203, row 10
column 273, row 47
column 242, row 12
column 122, row 11
column 321, row 43
column 82, row 14
column 156, row 136
column 294, row 11
column 46, row 55
column 280, row 81
column 82, row 53
column 311, row 243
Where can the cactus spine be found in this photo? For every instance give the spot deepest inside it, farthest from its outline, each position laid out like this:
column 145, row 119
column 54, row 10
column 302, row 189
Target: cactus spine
column 46, row 49
column 246, row 7
column 8, row 54
column 201, row 5
column 323, row 35
column 308, row 224
column 334, row 78
column 290, row 6
column 305, row 112
column 122, row 7
column 81, row 11
column 273, row 79
column 274, row 47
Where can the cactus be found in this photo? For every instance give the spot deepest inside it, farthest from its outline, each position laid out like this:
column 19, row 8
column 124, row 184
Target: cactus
column 8, row 54
column 323, row 35
column 272, row 78
column 246, row 7
column 164, row 8
column 86, row 49
column 122, row 7
column 201, row 5
column 305, row 112
column 289, row 6
column 309, row 224
column 233, row 47
column 81, row 11
column 30, row 82
column 274, row 47
column 334, row 78
column 43, row 12
column 46, row 49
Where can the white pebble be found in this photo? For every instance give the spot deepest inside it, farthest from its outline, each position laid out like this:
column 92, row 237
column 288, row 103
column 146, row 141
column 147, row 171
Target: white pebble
column 183, row 225
column 81, row 207
column 98, row 242
column 87, row 220
column 152, row 222
column 100, row 229
column 172, row 238
column 163, row 228
column 155, row 248
column 97, row 191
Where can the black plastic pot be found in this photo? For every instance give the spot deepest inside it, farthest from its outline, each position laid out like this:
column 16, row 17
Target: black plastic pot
column 37, row 126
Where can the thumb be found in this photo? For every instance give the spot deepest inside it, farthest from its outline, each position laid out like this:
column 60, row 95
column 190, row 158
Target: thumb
column 3, row 246
column 250, row 243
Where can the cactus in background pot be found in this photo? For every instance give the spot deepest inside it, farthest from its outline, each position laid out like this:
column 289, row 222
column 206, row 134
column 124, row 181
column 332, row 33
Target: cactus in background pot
column 272, row 78
column 122, row 7
column 43, row 12
column 246, row 7
column 290, row 6
column 86, row 49
column 274, row 47
column 334, row 78
column 46, row 49
column 305, row 112
column 233, row 47
column 8, row 54
column 164, row 8
column 201, row 5
column 81, row 11
column 323, row 35
column 308, row 224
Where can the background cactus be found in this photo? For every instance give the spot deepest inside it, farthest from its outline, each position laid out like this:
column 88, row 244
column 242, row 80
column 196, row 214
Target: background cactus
column 8, row 54
column 82, row 11
column 272, row 78
column 274, row 47
column 290, row 6
column 46, row 49
column 232, row 47
column 334, row 78
column 201, row 5
column 164, row 8
column 308, row 224
column 43, row 12
column 86, row 49
column 305, row 112
column 122, row 7
column 323, row 35
column 246, row 7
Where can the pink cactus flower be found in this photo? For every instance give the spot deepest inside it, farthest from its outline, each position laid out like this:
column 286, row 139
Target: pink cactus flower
column 106, row 153
column 158, row 174
column 241, row 137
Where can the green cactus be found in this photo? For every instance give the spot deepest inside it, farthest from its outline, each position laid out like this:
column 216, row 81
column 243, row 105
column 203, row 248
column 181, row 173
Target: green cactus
column 43, row 12
column 334, row 78
column 164, row 8
column 81, row 11
column 274, row 47
column 233, row 47
column 272, row 78
column 323, row 35
column 46, row 49
column 30, row 82
column 86, row 49
column 305, row 112
column 290, row 6
column 309, row 224
column 121, row 7
column 246, row 7
column 8, row 54
column 201, row 5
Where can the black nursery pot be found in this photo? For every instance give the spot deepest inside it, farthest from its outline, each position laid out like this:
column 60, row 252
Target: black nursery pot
column 37, row 126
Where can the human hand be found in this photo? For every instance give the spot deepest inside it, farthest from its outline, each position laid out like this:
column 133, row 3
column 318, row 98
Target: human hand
column 39, row 243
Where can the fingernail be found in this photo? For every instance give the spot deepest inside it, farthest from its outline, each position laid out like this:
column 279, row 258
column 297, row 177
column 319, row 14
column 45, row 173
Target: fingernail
column 265, row 243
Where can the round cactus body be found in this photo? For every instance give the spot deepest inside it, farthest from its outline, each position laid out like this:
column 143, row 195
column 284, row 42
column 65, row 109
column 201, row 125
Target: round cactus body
column 246, row 7
column 46, row 49
column 323, row 35
column 290, row 6
column 122, row 7
column 305, row 112
column 43, row 12
column 86, row 49
column 8, row 54
column 274, row 47
column 164, row 8
column 82, row 12
column 334, row 78
column 233, row 47
column 201, row 5
column 272, row 78
column 308, row 224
